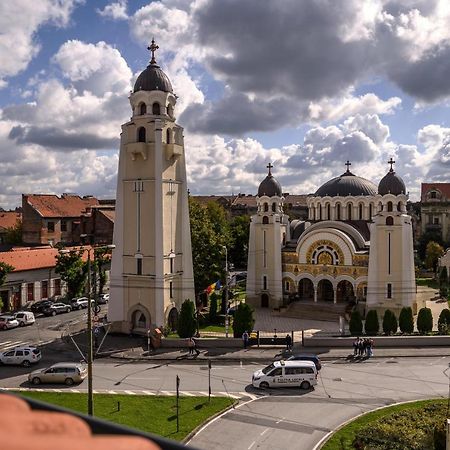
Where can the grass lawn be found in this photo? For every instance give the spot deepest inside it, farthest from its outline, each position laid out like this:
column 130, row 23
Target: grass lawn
column 155, row 415
column 342, row 439
column 430, row 282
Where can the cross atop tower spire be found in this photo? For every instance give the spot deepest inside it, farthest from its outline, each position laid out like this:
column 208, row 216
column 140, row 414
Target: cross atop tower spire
column 153, row 47
column 391, row 162
column 269, row 166
column 348, row 164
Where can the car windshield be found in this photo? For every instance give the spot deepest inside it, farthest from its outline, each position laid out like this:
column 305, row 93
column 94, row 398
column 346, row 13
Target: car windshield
column 36, row 351
column 268, row 369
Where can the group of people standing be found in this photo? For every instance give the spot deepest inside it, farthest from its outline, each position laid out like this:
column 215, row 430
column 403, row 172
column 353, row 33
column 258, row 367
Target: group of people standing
column 363, row 347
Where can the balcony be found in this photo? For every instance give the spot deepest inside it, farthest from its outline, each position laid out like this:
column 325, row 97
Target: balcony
column 173, row 150
column 137, row 148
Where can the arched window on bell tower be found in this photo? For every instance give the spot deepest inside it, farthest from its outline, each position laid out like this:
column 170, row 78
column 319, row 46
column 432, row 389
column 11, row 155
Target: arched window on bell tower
column 389, row 206
column 141, row 134
column 265, row 220
column 338, row 211
column 156, row 109
column 168, row 136
column 142, row 109
column 349, row 211
column 274, row 207
column 266, row 207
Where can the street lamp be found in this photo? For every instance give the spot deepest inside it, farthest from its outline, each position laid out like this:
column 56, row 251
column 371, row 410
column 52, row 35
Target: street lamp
column 226, row 291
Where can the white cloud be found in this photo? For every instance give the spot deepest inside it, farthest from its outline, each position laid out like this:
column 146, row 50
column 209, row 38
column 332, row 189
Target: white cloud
column 115, row 11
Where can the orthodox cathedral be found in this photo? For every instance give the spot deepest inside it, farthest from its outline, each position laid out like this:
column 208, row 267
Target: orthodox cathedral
column 355, row 247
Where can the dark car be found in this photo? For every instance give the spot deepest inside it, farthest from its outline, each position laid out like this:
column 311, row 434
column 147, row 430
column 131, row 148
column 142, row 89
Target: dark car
column 38, row 307
column 306, row 357
column 57, row 308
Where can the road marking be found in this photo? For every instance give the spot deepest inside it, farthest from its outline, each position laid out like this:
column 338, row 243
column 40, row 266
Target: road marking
column 265, row 431
column 251, row 445
column 148, row 393
column 202, row 393
column 166, row 393
column 188, row 394
column 130, row 392
column 112, row 392
column 76, row 391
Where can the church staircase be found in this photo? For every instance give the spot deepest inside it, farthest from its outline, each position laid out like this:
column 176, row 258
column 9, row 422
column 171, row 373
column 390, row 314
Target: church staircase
column 324, row 311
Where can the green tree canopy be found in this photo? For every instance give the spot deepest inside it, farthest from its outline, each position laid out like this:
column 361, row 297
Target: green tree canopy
column 14, row 233
column 4, row 270
column 186, row 320
column 243, row 320
column 72, row 270
column 239, row 234
column 433, row 252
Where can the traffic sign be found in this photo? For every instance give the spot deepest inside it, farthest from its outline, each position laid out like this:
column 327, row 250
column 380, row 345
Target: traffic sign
column 95, row 319
column 97, row 309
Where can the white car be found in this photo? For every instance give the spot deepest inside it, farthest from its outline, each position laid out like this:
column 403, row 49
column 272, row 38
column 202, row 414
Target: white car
column 25, row 318
column 103, row 299
column 7, row 322
column 79, row 303
column 24, row 356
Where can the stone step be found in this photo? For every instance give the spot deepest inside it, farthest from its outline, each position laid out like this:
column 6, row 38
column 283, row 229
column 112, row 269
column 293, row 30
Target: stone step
column 315, row 311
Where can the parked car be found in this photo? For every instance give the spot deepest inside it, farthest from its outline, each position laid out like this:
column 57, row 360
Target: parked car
column 68, row 373
column 25, row 318
column 38, row 307
column 79, row 303
column 306, row 357
column 24, row 356
column 103, row 299
column 57, row 308
column 7, row 322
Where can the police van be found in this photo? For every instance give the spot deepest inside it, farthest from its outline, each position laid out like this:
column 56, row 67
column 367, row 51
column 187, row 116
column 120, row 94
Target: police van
column 301, row 374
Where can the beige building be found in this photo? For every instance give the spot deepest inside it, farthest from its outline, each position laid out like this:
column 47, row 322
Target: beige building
column 435, row 209
column 355, row 246
column 151, row 272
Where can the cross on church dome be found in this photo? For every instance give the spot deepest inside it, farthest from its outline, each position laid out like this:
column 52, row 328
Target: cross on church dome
column 391, row 162
column 269, row 166
column 348, row 164
column 153, row 47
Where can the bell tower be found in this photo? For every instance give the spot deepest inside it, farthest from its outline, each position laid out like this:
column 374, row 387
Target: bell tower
column 151, row 273
column 268, row 233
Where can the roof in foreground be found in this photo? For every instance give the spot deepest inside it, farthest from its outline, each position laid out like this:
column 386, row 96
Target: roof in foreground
column 65, row 206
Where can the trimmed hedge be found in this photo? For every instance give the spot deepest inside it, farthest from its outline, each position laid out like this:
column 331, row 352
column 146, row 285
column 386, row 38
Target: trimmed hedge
column 406, row 320
column 444, row 321
column 425, row 321
column 355, row 325
column 372, row 325
column 389, row 322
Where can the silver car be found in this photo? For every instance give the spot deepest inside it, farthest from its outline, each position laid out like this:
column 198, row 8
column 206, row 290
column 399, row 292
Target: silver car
column 67, row 373
column 7, row 322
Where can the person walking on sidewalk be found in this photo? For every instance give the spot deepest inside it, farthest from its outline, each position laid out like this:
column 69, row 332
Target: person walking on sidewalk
column 194, row 347
column 190, row 344
column 288, row 342
column 245, row 338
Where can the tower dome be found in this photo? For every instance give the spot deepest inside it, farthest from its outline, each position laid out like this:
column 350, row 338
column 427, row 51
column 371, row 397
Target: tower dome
column 347, row 184
column 152, row 78
column 391, row 183
column 269, row 186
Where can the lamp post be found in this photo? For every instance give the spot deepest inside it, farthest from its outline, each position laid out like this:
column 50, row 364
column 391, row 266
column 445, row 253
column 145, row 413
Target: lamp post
column 226, row 291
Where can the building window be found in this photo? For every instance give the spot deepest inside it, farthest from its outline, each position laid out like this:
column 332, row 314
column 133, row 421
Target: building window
column 389, row 290
column 51, row 227
column 264, row 249
column 266, row 207
column 338, row 211
column 328, row 212
column 44, row 289
column 274, row 207
column 30, row 292
column 57, row 285
column 370, row 211
column 63, row 225
column 264, row 283
column 265, row 220
column 287, row 286
column 171, row 265
column 389, row 220
column 139, row 266
column 143, row 109
column 171, row 289
column 436, row 220
column 433, row 194
column 399, row 206
column 168, row 140
column 389, row 206
column 156, row 109
column 141, row 134
column 320, row 212
column 349, row 211
column 360, row 211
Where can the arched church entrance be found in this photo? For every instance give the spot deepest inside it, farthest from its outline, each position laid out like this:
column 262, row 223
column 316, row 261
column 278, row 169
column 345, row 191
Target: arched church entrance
column 325, row 291
column 264, row 301
column 138, row 319
column 172, row 319
column 306, row 289
column 345, row 292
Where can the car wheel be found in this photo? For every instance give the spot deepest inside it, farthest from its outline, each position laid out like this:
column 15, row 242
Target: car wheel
column 305, row 385
column 68, row 310
column 80, row 308
column 26, row 363
column 21, row 324
column 53, row 313
column 69, row 381
column 36, row 381
column 264, row 385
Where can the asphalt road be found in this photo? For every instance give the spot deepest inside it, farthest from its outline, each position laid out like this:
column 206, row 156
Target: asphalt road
column 273, row 418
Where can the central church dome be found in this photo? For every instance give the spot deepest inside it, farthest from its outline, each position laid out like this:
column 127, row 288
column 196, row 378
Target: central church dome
column 346, row 185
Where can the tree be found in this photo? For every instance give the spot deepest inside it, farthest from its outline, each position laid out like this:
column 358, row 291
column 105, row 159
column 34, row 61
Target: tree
column 443, row 282
column 406, row 320
column 14, row 233
column 433, row 253
column 4, row 270
column 243, row 320
column 423, row 241
column 444, row 321
column 186, row 320
column 207, row 240
column 72, row 270
column 372, row 325
column 213, row 308
column 389, row 322
column 425, row 321
column 355, row 325
column 101, row 258
column 239, row 235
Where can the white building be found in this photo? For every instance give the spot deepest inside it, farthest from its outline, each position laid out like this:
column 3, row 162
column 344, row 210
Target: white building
column 151, row 272
column 356, row 246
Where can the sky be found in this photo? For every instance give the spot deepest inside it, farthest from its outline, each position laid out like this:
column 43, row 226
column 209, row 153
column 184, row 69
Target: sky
column 303, row 84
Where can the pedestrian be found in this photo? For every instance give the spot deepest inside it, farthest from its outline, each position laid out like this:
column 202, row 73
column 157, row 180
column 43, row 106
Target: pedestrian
column 355, row 346
column 190, row 344
column 245, row 338
column 194, row 347
column 288, row 342
column 370, row 347
column 361, row 347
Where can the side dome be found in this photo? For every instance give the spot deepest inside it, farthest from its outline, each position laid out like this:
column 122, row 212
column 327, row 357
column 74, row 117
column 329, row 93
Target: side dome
column 346, row 185
column 269, row 186
column 391, row 183
column 153, row 78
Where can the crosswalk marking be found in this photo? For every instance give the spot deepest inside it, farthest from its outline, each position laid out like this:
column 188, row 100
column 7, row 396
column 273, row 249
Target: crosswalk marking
column 8, row 345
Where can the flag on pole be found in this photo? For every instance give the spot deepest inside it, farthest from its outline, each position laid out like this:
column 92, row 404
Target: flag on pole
column 213, row 287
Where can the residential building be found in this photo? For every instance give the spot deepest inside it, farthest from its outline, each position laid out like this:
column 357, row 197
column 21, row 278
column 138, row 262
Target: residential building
column 435, row 209
column 98, row 222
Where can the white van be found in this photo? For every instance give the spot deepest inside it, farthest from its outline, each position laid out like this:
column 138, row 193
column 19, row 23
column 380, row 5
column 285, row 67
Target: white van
column 301, row 374
column 24, row 318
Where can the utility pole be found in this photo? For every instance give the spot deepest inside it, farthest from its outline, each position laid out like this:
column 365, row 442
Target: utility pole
column 227, row 319
column 89, row 337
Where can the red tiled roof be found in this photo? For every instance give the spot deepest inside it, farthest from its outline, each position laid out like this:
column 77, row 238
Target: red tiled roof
column 8, row 219
column 64, row 206
column 109, row 213
column 26, row 258
column 442, row 187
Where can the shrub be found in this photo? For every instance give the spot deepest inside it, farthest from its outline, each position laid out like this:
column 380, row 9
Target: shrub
column 213, row 309
column 243, row 320
column 406, row 320
column 425, row 321
column 355, row 325
column 186, row 321
column 444, row 321
column 389, row 322
column 372, row 325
